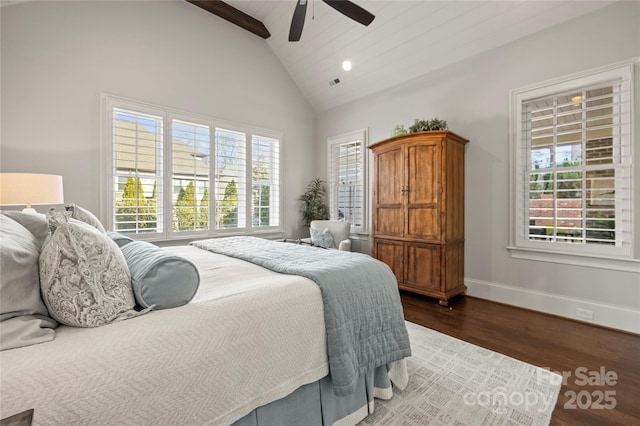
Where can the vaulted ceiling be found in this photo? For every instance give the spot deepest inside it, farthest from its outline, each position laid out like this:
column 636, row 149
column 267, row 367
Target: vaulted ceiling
column 406, row 39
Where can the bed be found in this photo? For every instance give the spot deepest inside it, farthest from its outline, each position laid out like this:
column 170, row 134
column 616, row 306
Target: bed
column 251, row 348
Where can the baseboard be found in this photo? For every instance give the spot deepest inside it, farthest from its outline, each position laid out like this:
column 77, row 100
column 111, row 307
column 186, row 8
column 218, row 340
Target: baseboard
column 605, row 315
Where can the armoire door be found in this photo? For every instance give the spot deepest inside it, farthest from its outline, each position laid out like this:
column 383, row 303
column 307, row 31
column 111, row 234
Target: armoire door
column 422, row 266
column 392, row 253
column 423, row 190
column 388, row 215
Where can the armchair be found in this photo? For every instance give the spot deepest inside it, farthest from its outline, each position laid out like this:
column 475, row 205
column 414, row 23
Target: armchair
column 339, row 230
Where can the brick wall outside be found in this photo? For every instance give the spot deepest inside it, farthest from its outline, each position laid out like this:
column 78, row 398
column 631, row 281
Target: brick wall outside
column 566, row 218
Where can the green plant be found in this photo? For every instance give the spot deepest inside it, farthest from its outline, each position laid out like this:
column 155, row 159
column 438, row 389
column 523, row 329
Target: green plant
column 185, row 208
column 314, row 205
column 203, row 211
column 425, row 125
column 135, row 211
column 227, row 213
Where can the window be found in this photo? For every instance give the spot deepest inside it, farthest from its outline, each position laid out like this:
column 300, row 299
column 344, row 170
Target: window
column 190, row 176
column 347, row 177
column 572, row 165
column 138, row 140
column 231, row 161
column 265, row 178
column 221, row 178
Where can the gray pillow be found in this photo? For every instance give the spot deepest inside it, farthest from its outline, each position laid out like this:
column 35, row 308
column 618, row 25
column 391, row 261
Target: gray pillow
column 85, row 216
column 84, row 278
column 322, row 239
column 119, row 239
column 24, row 316
column 159, row 279
column 36, row 223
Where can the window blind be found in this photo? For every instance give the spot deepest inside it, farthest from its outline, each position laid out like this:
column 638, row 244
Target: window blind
column 574, row 158
column 230, row 182
column 190, row 144
column 137, row 172
column 265, row 171
column 346, row 180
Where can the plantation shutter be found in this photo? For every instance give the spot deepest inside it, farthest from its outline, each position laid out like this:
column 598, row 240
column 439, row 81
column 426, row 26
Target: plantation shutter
column 190, row 176
column 137, row 172
column 346, row 180
column 575, row 165
column 172, row 174
column 265, row 202
column 230, row 180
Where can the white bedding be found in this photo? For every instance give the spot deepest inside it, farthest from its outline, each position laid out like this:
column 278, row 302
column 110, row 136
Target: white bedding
column 203, row 363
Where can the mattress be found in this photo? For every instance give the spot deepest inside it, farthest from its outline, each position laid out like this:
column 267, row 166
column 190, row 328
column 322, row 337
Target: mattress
column 249, row 337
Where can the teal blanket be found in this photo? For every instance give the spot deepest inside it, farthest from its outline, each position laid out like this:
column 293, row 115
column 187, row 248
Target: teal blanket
column 362, row 309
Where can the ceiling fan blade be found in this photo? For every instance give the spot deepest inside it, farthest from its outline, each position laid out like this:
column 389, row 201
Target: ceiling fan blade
column 352, row 11
column 297, row 22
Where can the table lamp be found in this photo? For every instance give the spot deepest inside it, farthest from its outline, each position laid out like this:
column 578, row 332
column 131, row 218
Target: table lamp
column 28, row 189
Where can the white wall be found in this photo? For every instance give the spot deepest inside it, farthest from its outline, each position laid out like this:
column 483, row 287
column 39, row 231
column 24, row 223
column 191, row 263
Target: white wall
column 473, row 96
column 57, row 57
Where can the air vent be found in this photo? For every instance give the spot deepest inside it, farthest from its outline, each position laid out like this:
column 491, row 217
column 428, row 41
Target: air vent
column 334, row 82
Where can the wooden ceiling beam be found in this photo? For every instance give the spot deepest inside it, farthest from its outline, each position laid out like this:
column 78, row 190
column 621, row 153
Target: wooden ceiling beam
column 233, row 15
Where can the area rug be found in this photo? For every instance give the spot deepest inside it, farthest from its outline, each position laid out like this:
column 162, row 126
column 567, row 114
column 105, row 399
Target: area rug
column 452, row 382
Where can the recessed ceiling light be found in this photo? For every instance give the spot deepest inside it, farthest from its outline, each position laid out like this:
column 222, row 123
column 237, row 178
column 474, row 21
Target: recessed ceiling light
column 346, row 65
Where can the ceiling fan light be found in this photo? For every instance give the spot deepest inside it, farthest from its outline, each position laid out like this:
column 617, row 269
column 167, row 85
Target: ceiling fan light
column 346, row 65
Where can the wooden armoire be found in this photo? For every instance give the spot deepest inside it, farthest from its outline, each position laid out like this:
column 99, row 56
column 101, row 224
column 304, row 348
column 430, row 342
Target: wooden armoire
column 418, row 211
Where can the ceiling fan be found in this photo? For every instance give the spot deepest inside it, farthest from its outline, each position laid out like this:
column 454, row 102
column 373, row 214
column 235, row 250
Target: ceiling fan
column 347, row 8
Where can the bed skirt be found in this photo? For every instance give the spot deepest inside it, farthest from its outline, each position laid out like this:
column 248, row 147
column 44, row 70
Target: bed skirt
column 316, row 404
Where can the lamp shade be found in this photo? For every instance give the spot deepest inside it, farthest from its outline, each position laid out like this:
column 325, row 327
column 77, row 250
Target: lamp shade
column 18, row 189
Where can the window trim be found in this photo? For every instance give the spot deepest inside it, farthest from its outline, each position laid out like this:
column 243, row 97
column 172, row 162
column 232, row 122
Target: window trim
column 362, row 134
column 622, row 260
column 109, row 102
column 576, row 259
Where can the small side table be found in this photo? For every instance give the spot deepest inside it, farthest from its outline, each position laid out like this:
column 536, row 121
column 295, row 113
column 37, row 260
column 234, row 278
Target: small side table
column 21, row 419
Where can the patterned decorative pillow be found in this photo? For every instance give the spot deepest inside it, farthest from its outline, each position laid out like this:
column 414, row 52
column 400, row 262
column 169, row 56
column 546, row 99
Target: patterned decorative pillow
column 84, row 278
column 85, row 216
column 321, row 238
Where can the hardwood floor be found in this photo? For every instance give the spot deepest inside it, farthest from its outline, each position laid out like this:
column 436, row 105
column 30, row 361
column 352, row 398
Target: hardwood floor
column 593, row 356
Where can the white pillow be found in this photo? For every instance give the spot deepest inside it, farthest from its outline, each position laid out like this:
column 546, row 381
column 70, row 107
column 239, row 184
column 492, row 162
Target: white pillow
column 321, row 238
column 84, row 277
